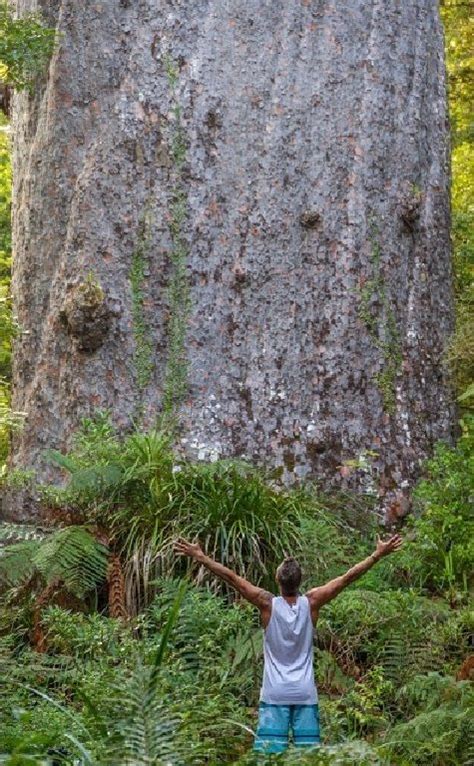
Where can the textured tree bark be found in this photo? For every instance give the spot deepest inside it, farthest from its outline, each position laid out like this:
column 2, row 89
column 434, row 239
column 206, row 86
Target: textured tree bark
column 239, row 211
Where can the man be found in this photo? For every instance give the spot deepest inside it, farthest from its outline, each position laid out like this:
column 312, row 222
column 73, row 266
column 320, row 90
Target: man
column 288, row 699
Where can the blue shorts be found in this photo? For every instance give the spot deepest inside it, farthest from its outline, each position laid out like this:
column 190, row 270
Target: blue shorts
column 276, row 721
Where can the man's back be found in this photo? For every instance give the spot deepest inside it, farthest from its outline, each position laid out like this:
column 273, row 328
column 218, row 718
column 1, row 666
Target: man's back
column 288, row 677
column 288, row 701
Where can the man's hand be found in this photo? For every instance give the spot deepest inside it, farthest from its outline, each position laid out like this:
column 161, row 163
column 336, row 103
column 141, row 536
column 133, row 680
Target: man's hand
column 389, row 546
column 325, row 593
column 185, row 548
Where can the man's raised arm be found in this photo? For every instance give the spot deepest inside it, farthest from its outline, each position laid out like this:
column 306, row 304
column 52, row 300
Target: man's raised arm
column 324, row 593
column 257, row 596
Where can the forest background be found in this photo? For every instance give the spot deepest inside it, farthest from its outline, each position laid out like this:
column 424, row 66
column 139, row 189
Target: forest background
column 106, row 657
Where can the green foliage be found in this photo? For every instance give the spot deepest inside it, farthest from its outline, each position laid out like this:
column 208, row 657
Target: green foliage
column 457, row 18
column 441, row 729
column 26, row 46
column 237, row 515
column 10, row 420
column 364, row 704
column 145, row 732
column 87, row 636
column 322, row 531
column 460, row 353
column 441, row 559
column 175, row 382
column 71, row 556
column 143, row 344
column 353, row 753
column 16, row 563
column 140, row 491
column 142, row 729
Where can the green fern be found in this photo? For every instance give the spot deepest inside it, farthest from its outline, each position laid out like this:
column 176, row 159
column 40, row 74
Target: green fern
column 144, row 731
column 16, row 563
column 88, row 481
column 147, row 733
column 441, row 737
column 441, row 729
column 73, row 556
column 401, row 659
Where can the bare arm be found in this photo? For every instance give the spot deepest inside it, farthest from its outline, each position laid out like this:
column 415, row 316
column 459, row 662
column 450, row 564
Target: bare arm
column 257, row 596
column 324, row 593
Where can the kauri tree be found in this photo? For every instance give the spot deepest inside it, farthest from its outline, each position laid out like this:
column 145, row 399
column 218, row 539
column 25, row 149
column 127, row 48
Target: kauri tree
column 236, row 216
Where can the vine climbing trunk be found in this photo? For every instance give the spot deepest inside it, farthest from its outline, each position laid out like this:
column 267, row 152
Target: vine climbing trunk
column 237, row 215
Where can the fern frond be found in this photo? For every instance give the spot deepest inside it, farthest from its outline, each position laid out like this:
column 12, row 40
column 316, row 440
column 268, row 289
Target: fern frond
column 401, row 659
column 147, row 735
column 63, row 461
column 73, row 556
column 88, row 479
column 96, row 479
column 17, row 562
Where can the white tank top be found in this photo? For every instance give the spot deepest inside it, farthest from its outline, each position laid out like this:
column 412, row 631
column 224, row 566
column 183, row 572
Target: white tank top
column 288, row 676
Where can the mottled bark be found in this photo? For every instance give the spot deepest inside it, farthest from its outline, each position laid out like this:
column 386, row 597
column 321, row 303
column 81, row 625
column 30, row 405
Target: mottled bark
column 284, row 167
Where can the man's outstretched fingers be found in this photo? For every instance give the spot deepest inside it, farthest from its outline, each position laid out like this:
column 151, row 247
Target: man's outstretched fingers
column 185, row 548
column 180, row 546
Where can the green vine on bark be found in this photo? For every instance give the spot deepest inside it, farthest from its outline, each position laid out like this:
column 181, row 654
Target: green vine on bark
column 381, row 325
column 143, row 357
column 175, row 381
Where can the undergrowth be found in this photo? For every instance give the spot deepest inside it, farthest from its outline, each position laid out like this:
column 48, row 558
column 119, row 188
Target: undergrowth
column 81, row 687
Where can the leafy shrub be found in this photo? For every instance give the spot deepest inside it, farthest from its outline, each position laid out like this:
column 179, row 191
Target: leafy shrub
column 441, row 732
column 146, row 498
column 441, row 556
column 87, row 636
column 25, row 47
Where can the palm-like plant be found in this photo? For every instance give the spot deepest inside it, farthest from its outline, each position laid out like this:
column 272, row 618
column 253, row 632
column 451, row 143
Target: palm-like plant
column 145, row 497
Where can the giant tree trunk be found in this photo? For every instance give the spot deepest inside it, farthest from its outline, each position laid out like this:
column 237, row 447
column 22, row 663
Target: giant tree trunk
column 238, row 213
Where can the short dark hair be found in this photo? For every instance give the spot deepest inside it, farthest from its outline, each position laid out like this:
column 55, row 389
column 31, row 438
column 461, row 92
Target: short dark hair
column 289, row 576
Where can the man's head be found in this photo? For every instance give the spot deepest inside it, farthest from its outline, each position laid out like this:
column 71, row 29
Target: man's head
column 288, row 577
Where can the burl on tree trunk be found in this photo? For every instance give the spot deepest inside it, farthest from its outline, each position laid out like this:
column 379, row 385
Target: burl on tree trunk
column 238, row 214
